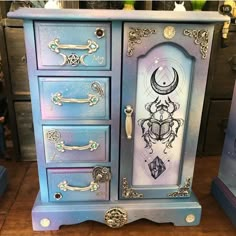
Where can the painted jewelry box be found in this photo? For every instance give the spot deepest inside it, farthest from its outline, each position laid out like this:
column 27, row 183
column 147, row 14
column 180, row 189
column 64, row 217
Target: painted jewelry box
column 117, row 99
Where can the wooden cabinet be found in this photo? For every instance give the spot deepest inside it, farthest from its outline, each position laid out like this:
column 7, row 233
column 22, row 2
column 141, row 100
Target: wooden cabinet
column 116, row 138
column 221, row 78
column 12, row 48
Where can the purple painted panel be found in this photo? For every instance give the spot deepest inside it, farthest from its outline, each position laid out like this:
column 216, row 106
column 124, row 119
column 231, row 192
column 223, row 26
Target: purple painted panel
column 164, row 78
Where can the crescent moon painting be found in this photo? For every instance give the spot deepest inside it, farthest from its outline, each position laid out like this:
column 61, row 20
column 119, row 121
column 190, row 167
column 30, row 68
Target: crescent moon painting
column 166, row 87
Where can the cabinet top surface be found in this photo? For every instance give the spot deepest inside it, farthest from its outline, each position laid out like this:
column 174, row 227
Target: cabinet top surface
column 98, row 14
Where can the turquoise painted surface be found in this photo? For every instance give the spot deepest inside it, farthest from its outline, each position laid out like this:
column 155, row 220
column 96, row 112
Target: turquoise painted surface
column 75, row 178
column 72, row 35
column 74, row 88
column 77, row 136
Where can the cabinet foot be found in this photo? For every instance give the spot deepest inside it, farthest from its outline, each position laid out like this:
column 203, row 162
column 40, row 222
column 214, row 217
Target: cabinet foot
column 180, row 212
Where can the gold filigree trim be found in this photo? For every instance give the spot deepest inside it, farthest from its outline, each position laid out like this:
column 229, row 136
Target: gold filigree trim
column 129, row 192
column 135, row 37
column 183, row 191
column 200, row 38
column 116, row 217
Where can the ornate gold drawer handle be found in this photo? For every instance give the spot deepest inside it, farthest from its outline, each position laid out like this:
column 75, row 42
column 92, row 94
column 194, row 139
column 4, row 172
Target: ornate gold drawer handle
column 58, row 99
column 61, row 147
column 100, row 175
column 55, row 46
column 128, row 121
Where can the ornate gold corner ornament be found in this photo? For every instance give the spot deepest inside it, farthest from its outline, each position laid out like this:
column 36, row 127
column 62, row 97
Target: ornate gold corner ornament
column 116, row 217
column 183, row 191
column 135, row 37
column 129, row 192
column 200, row 38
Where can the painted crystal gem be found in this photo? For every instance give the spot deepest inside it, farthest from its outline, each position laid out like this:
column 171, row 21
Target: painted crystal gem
column 93, row 145
column 93, row 100
column 60, row 146
column 157, row 167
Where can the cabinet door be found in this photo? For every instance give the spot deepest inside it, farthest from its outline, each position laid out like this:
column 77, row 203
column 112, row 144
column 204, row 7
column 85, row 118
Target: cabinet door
column 164, row 77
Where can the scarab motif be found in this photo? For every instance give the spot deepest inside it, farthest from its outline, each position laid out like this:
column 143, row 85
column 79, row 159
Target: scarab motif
column 161, row 125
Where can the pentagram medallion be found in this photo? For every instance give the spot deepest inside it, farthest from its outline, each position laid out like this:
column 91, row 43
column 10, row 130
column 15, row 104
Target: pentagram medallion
column 53, row 135
column 73, row 59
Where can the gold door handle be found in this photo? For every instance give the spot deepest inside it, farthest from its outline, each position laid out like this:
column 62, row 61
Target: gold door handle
column 55, row 46
column 100, row 175
column 128, row 121
column 61, row 147
column 58, row 99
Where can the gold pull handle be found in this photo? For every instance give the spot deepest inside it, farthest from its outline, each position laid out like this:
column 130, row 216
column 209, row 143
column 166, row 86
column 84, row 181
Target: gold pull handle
column 55, row 46
column 61, row 147
column 128, row 121
column 58, row 99
column 100, row 175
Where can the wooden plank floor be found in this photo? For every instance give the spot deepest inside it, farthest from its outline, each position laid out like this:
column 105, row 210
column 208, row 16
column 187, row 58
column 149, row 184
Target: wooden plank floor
column 16, row 204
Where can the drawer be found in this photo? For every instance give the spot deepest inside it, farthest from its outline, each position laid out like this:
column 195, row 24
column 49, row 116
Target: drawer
column 17, row 60
column 25, row 130
column 74, row 98
column 75, row 185
column 73, row 46
column 76, row 143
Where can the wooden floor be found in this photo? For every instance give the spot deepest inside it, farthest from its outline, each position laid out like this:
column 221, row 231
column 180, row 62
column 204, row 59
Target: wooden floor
column 16, row 204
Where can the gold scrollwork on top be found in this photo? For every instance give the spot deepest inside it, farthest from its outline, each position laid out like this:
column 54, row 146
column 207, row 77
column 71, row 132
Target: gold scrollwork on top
column 135, row 37
column 200, row 38
column 129, row 192
column 183, row 191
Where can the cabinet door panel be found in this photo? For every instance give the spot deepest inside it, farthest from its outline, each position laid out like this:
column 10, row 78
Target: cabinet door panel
column 164, row 78
column 160, row 115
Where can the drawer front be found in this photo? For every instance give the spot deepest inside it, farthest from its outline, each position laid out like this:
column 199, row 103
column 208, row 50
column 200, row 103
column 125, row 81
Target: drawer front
column 17, row 60
column 76, row 143
column 25, row 130
column 74, row 98
column 73, row 46
column 63, row 185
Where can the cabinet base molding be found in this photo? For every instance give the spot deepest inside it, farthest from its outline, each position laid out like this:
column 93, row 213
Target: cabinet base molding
column 180, row 212
column 225, row 198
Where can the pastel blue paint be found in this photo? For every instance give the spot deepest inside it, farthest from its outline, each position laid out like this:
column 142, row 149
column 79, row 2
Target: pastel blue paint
column 121, row 78
column 73, row 88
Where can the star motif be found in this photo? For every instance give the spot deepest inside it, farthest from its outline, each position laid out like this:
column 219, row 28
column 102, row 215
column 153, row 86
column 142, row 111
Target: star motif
column 73, row 59
column 53, row 135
